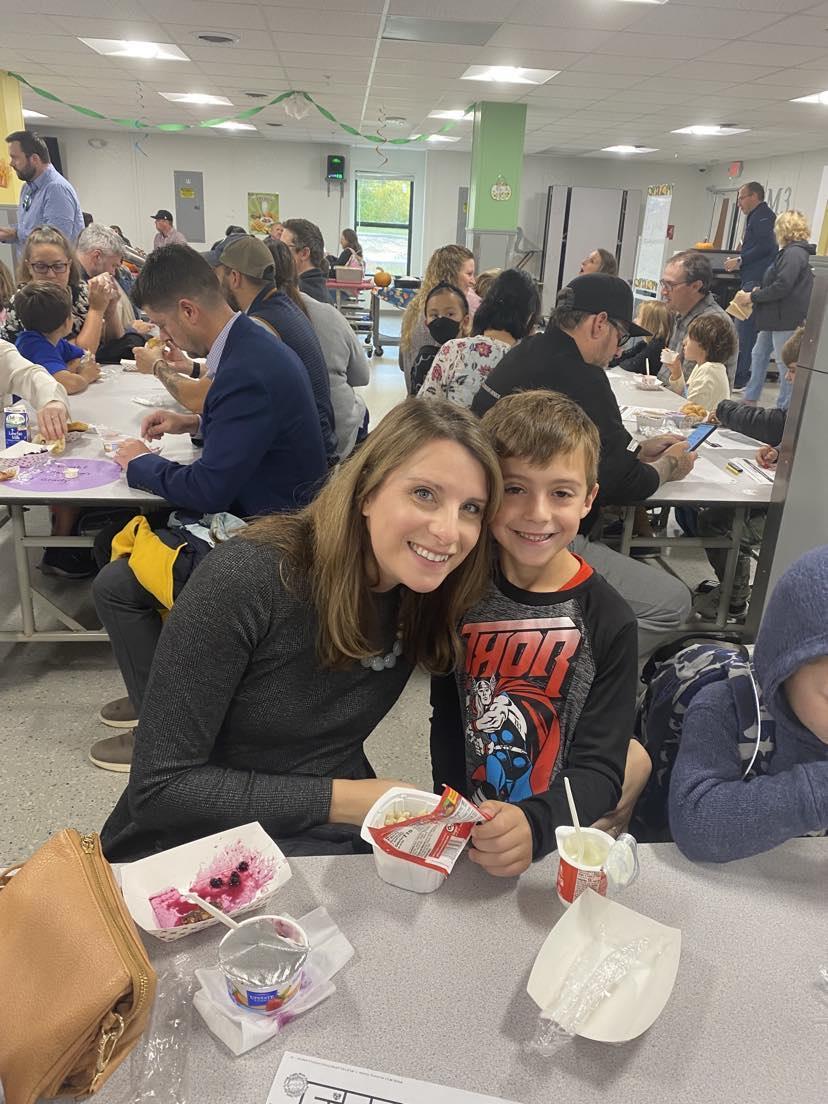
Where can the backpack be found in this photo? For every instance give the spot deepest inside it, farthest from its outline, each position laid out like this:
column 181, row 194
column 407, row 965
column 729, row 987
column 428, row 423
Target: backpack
column 674, row 675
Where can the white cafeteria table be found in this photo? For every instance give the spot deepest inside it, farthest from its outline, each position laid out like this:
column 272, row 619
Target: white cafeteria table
column 107, row 403
column 437, row 987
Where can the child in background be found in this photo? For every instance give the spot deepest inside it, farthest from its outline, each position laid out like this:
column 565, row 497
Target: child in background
column 484, row 280
column 6, row 291
column 45, row 311
column 715, row 816
column 766, row 424
column 655, row 317
column 547, row 687
column 710, row 342
column 446, row 317
column 507, row 314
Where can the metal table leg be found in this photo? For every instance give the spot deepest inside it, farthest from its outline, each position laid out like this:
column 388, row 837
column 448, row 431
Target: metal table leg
column 726, row 590
column 24, row 578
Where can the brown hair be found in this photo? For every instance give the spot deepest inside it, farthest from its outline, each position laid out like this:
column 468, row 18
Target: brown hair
column 792, row 348
column 49, row 235
column 6, row 286
column 609, row 262
column 484, row 280
column 284, row 271
column 42, row 306
column 325, row 549
column 537, row 426
column 443, row 268
column 715, row 335
column 654, row 316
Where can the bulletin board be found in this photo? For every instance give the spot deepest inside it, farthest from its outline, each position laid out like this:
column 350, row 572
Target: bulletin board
column 650, row 259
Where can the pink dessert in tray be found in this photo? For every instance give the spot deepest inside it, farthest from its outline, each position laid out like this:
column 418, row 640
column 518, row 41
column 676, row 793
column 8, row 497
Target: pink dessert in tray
column 234, row 878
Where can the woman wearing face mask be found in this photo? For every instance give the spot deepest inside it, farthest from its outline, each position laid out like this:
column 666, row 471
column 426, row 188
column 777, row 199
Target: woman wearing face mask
column 446, row 317
column 507, row 314
column 450, row 264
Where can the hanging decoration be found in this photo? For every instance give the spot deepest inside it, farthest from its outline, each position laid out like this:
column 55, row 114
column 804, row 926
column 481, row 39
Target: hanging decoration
column 297, row 106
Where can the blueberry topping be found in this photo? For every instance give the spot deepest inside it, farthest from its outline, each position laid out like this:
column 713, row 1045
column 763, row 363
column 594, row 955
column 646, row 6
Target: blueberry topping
column 243, row 867
column 216, row 883
column 235, row 879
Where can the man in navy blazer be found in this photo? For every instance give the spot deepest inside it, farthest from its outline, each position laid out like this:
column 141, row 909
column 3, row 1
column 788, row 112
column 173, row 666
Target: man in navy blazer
column 263, row 453
column 757, row 251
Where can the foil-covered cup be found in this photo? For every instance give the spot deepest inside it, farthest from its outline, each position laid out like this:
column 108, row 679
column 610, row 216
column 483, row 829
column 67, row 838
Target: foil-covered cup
column 262, row 961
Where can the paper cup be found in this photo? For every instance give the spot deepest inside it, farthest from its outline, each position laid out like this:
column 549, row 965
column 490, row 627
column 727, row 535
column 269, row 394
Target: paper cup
column 283, row 966
column 668, row 356
column 573, row 876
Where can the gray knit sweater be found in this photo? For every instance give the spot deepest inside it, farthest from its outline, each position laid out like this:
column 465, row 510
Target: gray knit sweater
column 239, row 721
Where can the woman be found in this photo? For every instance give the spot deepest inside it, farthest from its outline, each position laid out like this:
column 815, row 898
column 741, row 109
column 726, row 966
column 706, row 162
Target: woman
column 47, row 255
column 506, row 316
column 450, row 264
column 291, row 642
column 599, row 260
column 780, row 303
column 351, row 255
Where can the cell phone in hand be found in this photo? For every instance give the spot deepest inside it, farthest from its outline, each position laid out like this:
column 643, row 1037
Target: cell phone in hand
column 700, row 435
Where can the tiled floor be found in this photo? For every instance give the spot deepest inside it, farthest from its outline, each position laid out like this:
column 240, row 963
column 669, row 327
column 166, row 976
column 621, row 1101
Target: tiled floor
column 50, row 696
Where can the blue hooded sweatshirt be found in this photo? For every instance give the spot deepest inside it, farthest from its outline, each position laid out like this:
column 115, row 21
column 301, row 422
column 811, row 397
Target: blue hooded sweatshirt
column 714, row 815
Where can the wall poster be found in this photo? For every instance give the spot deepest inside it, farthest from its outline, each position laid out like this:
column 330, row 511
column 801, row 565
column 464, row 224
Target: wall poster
column 262, row 211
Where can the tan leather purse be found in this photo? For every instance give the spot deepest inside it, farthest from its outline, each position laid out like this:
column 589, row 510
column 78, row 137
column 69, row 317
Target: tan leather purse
column 76, row 986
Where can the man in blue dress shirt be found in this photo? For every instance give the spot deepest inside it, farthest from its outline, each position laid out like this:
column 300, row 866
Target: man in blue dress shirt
column 47, row 198
column 756, row 252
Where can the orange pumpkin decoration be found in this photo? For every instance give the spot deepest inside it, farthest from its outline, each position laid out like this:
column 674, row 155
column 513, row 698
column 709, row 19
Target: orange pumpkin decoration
column 382, row 278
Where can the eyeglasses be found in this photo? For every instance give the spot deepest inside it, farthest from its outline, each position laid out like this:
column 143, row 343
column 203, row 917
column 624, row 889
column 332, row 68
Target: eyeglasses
column 621, row 331
column 41, row 268
column 668, row 285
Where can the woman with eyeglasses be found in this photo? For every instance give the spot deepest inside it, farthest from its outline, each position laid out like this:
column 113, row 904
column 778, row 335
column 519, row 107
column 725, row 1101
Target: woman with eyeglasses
column 48, row 256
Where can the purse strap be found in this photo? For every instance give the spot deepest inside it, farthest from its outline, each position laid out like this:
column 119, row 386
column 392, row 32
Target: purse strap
column 8, row 873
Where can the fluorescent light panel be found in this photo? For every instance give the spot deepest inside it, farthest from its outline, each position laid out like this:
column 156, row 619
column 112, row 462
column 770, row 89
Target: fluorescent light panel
column 120, row 47
column 441, row 138
column 196, row 98
column 27, row 114
column 509, row 74
column 231, row 124
column 629, row 149
column 816, row 98
column 704, row 131
column 457, row 115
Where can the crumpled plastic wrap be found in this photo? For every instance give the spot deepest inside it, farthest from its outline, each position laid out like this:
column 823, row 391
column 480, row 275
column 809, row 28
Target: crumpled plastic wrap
column 592, row 979
column 158, row 1071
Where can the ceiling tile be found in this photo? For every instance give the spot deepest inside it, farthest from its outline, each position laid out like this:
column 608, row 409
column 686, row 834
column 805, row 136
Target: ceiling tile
column 206, row 15
column 797, row 30
column 643, row 46
column 762, row 53
column 303, row 21
column 577, row 40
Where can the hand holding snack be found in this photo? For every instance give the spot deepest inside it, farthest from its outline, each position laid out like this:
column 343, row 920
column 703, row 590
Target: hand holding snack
column 52, row 419
column 100, row 292
column 503, row 844
column 159, row 422
column 89, row 369
column 128, row 451
column 146, row 358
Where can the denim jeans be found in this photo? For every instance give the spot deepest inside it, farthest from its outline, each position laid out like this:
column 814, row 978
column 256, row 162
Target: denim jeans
column 747, row 338
column 768, row 341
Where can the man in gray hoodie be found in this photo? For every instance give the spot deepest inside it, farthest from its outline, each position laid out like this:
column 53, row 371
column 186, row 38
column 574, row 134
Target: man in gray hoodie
column 715, row 816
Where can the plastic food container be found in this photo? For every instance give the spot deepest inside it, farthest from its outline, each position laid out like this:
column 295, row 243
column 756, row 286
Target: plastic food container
column 648, row 383
column 655, row 422
column 262, row 962
column 402, row 872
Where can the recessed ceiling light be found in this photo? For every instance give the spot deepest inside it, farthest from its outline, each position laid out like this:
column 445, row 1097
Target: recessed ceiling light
column 816, row 98
column 27, row 114
column 441, row 138
column 216, row 38
column 702, row 131
column 458, row 115
column 629, row 149
column 509, row 74
column 196, row 98
column 120, row 47
column 231, row 124
column 642, row 1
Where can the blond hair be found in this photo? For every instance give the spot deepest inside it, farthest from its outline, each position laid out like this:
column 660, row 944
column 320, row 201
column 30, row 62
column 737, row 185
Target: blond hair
column 792, row 348
column 538, row 426
column 791, row 226
column 6, row 286
column 48, row 235
column 326, row 551
column 655, row 317
column 484, row 280
column 443, row 268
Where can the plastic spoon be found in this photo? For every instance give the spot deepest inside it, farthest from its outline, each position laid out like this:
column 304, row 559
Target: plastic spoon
column 194, row 899
column 573, row 812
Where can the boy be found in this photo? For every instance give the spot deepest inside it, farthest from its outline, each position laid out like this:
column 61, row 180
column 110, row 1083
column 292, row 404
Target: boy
column 714, row 815
column 547, row 687
column 710, row 342
column 766, row 424
column 45, row 311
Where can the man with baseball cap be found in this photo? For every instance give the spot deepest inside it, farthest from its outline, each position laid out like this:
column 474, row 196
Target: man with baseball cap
column 246, row 271
column 591, row 321
column 166, row 235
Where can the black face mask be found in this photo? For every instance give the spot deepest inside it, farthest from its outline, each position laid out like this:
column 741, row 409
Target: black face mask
column 443, row 329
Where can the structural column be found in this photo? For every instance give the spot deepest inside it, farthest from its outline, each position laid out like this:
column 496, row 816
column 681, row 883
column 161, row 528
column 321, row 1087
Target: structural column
column 496, row 171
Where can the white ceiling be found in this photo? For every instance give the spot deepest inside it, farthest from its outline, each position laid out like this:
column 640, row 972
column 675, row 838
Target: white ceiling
column 630, row 72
